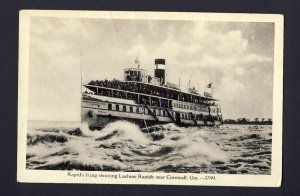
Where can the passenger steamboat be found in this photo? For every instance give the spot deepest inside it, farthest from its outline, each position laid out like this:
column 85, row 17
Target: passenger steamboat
column 147, row 100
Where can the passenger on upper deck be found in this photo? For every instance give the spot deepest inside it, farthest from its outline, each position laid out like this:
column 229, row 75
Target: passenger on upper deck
column 145, row 89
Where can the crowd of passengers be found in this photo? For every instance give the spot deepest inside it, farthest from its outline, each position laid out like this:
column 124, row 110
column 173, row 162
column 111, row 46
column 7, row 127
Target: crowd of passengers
column 144, row 89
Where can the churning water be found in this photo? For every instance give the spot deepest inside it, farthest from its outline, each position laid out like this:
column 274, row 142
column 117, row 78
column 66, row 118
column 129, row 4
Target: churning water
column 122, row 146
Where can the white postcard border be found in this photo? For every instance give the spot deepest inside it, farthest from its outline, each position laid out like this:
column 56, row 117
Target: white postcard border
column 49, row 176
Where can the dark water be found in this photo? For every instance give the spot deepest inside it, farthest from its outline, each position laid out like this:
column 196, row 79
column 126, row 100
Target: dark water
column 122, row 146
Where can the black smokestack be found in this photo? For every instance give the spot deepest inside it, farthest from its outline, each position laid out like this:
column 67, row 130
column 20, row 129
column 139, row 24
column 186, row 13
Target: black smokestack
column 159, row 71
column 160, row 61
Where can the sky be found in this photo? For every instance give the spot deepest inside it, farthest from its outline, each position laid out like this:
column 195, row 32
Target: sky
column 237, row 57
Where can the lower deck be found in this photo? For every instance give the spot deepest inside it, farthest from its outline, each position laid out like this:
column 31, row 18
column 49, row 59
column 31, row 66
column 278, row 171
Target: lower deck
column 98, row 113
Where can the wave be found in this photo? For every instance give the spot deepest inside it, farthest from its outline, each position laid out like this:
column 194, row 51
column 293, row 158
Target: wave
column 123, row 146
column 45, row 138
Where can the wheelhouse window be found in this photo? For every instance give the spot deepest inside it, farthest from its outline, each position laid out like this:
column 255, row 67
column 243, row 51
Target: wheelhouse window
column 109, row 106
column 117, row 107
column 131, row 109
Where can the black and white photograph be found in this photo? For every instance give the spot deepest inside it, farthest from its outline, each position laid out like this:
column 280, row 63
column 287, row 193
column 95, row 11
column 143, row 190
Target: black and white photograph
column 150, row 98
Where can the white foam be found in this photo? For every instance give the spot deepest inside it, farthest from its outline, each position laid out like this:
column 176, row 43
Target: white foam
column 125, row 131
column 129, row 148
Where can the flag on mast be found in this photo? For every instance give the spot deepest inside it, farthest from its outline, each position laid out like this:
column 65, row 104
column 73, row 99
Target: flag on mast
column 136, row 60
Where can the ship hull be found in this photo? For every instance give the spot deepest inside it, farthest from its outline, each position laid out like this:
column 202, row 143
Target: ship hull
column 97, row 118
column 99, row 122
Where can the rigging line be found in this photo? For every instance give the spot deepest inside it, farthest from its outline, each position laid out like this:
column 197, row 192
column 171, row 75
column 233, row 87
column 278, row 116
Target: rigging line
column 189, row 81
column 115, row 27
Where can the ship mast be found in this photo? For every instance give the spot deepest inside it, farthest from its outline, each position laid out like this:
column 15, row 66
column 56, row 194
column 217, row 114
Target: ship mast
column 81, row 71
column 137, row 61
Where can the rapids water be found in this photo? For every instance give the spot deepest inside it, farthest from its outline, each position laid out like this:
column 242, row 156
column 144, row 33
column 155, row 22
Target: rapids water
column 122, row 146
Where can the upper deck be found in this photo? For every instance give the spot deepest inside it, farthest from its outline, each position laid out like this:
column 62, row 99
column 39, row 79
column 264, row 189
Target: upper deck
column 133, row 88
column 149, row 90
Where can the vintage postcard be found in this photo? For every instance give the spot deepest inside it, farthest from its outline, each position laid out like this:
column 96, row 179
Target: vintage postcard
column 150, row 98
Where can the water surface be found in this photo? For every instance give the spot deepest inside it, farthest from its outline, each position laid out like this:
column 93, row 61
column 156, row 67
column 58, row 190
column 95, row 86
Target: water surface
column 122, row 146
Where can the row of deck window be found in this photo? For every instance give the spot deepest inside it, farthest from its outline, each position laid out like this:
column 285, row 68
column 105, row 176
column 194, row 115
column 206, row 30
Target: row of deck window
column 134, row 109
column 121, row 108
column 140, row 110
column 188, row 116
column 190, row 107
